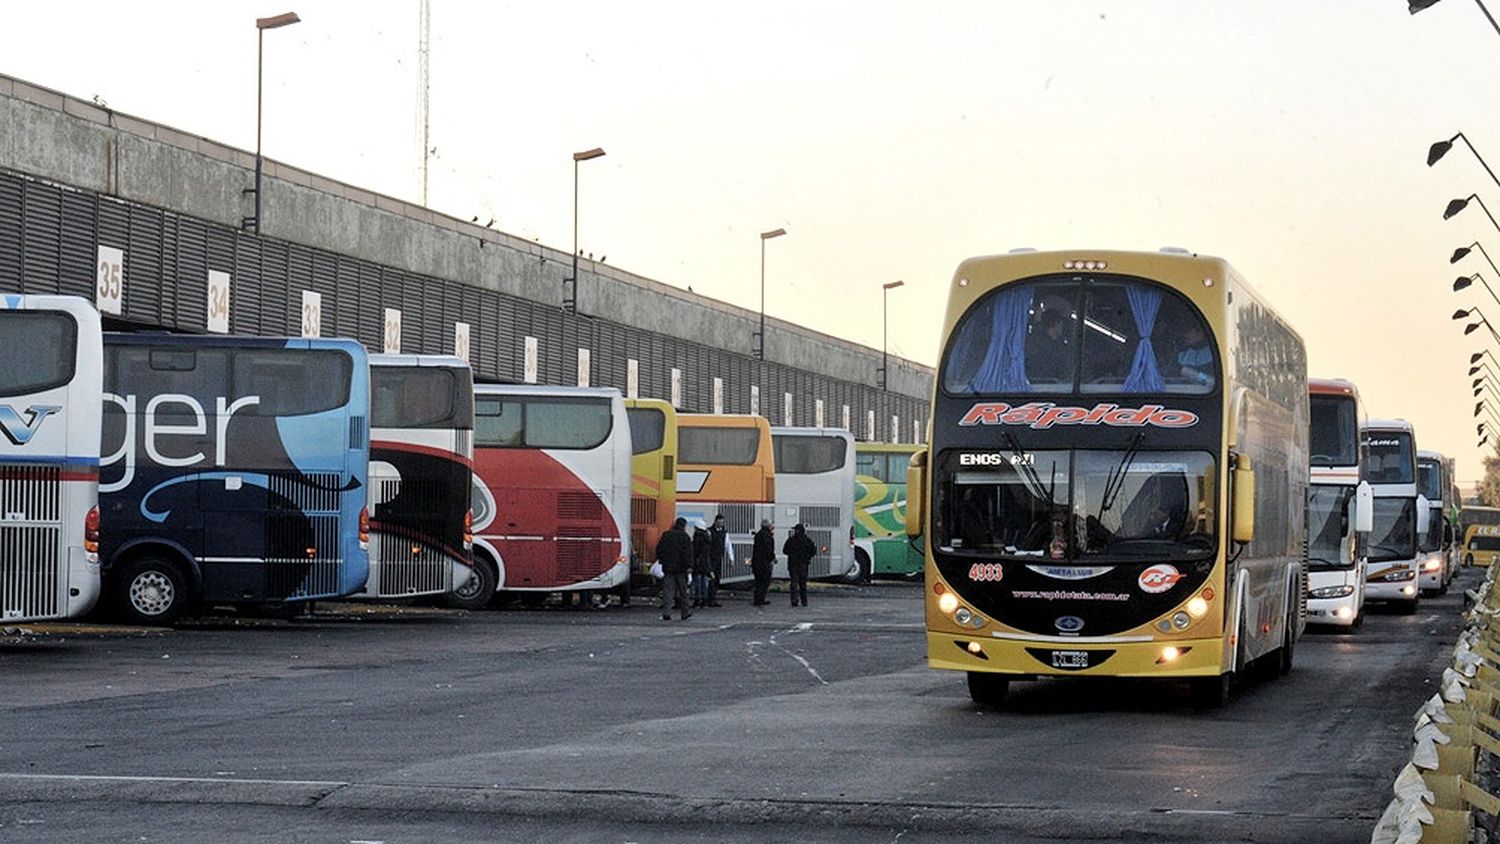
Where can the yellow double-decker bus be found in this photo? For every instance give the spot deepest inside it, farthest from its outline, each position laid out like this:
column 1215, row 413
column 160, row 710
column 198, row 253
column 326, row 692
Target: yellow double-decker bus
column 726, row 465
column 1116, row 474
column 1481, row 545
column 653, row 478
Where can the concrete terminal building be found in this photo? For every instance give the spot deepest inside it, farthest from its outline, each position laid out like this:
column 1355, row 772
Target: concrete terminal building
column 89, row 194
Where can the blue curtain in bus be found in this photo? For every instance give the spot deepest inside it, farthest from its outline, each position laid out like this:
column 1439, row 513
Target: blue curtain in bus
column 1144, row 376
column 1003, row 369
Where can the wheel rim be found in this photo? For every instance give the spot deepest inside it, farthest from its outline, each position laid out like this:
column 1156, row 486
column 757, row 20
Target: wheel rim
column 471, row 587
column 152, row 593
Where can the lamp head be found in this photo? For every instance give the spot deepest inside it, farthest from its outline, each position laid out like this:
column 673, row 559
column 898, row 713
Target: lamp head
column 1477, row 381
column 772, row 233
column 1461, row 282
column 892, row 285
column 1454, row 207
column 1478, row 406
column 1477, row 391
column 274, row 22
column 1458, row 254
column 1460, row 314
column 596, row 152
column 1439, row 149
column 1471, row 328
column 1474, row 358
column 1473, row 369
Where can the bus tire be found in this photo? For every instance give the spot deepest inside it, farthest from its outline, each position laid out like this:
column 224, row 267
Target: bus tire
column 152, row 590
column 476, row 592
column 1468, row 560
column 862, row 567
column 1210, row 692
column 987, row 689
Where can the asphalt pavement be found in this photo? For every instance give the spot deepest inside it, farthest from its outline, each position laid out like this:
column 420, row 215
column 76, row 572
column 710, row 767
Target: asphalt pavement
column 386, row 723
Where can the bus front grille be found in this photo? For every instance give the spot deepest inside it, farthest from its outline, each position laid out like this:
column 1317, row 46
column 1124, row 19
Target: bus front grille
column 29, row 571
column 30, row 531
column 579, row 507
column 302, row 556
column 818, row 517
column 578, row 559
column 409, row 567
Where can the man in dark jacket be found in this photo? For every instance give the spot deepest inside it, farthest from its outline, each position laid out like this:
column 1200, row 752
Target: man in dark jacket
column 702, row 569
column 762, row 559
column 718, row 548
column 799, row 550
column 675, row 553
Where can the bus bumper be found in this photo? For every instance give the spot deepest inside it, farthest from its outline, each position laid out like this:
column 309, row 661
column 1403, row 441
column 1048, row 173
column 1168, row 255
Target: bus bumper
column 1083, row 658
column 1334, row 612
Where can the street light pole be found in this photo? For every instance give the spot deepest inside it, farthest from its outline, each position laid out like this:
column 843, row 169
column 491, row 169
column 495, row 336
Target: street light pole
column 261, row 25
column 570, row 303
column 1415, row 6
column 760, row 346
column 1457, row 205
column 885, row 356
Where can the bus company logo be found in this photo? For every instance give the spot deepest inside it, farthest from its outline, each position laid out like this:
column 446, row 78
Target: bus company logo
column 1044, row 415
column 1159, row 578
column 20, row 432
column 1069, row 624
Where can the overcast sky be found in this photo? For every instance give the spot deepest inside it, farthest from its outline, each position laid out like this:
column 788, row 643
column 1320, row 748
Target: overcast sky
column 891, row 140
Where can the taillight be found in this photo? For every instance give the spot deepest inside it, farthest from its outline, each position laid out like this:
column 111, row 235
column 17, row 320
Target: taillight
column 91, row 530
column 364, row 524
column 469, row 528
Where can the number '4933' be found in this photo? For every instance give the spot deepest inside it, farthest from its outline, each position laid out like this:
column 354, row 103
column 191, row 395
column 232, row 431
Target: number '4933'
column 986, row 572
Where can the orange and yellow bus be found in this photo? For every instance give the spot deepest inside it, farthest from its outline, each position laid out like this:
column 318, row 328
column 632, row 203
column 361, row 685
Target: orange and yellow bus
column 1115, row 441
column 726, row 465
column 653, row 478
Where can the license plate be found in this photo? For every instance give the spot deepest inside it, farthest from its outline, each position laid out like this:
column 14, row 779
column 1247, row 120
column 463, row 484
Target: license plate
column 1070, row 659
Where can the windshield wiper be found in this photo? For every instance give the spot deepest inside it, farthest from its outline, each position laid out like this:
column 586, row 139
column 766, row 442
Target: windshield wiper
column 1029, row 471
column 1115, row 481
column 1327, row 563
column 1398, row 552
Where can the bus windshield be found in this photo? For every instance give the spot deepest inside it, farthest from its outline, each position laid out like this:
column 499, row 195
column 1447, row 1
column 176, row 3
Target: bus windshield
column 1110, row 334
column 1388, row 458
column 698, row 446
column 809, row 455
column 1395, row 533
column 648, row 429
column 1430, row 480
column 1327, row 526
column 419, row 397
column 1335, row 431
column 1093, row 506
column 1433, row 539
column 48, row 342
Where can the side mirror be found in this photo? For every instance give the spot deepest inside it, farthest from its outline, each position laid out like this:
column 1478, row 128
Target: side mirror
column 1364, row 508
column 916, row 493
column 1243, row 515
column 1424, row 515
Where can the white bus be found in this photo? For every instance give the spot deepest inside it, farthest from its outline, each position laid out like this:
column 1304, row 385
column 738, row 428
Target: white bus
column 50, row 383
column 815, row 487
column 1339, row 506
column 421, row 472
column 1439, row 563
column 552, row 488
column 1390, row 467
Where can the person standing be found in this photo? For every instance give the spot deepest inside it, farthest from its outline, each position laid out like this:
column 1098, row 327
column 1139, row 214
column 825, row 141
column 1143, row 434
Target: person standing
column 719, row 550
column 701, row 568
column 762, row 560
column 799, row 550
column 675, row 553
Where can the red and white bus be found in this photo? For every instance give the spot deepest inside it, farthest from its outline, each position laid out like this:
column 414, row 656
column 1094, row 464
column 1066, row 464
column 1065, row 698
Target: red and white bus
column 552, row 487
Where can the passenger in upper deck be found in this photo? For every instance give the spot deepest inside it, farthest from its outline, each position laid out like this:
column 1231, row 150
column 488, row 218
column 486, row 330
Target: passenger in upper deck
column 1195, row 357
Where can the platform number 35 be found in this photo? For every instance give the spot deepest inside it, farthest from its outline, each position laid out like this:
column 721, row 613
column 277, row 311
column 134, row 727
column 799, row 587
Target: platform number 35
column 110, row 289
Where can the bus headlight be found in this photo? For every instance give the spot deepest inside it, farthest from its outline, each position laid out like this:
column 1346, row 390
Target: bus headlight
column 947, row 603
column 962, row 615
column 1181, row 620
column 1433, row 564
column 1197, row 607
column 1343, row 591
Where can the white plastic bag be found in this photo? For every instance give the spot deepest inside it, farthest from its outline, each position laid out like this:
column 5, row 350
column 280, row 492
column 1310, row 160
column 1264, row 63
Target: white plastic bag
column 657, row 571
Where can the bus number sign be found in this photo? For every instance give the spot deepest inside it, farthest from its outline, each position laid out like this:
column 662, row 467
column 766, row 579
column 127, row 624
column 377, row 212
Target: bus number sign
column 986, row 572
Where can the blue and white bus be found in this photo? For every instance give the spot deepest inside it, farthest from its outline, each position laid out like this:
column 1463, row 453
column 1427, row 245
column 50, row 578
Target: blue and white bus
column 49, row 457
column 233, row 470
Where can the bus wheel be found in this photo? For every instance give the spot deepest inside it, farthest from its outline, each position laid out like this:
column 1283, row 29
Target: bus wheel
column 151, row 590
column 476, row 592
column 1468, row 560
column 1210, row 692
column 988, row 689
column 861, row 571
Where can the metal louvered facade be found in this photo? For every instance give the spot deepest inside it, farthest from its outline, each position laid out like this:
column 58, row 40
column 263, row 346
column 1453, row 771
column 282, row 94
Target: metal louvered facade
column 49, row 241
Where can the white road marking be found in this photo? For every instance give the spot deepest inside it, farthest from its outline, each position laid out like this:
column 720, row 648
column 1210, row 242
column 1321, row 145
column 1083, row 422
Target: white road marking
column 169, row 780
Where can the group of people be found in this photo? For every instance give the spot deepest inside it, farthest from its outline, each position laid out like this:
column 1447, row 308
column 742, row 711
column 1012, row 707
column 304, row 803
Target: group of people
column 703, row 554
